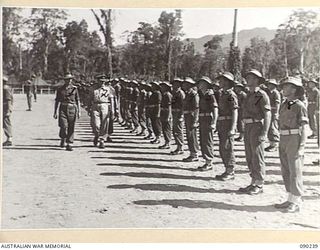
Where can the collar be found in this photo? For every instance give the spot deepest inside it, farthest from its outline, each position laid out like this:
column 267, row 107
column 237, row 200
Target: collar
column 228, row 91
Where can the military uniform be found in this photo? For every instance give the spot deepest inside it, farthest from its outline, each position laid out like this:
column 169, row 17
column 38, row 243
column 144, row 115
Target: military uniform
column 228, row 102
column 114, row 113
column 166, row 115
column 129, row 91
column 134, row 106
column 142, row 109
column 28, row 89
column 240, row 124
column 154, row 111
column 255, row 106
column 100, row 114
column 148, row 103
column 7, row 102
column 123, row 102
column 275, row 100
column 207, row 123
column 177, row 118
column 68, row 98
column 313, row 111
column 191, row 117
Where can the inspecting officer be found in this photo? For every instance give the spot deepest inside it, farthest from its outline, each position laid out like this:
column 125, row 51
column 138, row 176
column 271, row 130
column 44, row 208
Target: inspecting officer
column 68, row 102
column 293, row 125
column 256, row 116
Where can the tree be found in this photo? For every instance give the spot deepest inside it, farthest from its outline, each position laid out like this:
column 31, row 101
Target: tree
column 44, row 24
column 105, row 23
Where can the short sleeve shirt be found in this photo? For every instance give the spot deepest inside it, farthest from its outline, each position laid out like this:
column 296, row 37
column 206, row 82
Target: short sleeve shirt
column 166, row 100
column 228, row 101
column 275, row 97
column 256, row 104
column 191, row 102
column 67, row 94
column 293, row 114
column 177, row 99
column 207, row 102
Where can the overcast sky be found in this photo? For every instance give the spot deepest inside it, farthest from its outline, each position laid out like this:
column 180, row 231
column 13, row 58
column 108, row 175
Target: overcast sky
column 196, row 22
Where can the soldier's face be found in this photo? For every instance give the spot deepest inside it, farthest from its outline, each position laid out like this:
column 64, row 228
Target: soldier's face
column 224, row 83
column 289, row 90
column 311, row 85
column 252, row 81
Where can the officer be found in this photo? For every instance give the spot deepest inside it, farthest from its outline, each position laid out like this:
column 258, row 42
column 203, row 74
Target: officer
column 142, row 108
column 100, row 111
column 256, row 116
column 28, row 89
column 191, row 117
column 166, row 113
column 239, row 89
column 155, row 109
column 313, row 107
column 177, row 114
column 148, row 103
column 68, row 102
column 208, row 114
column 293, row 125
column 7, row 102
column 227, row 123
column 134, row 106
column 275, row 100
column 113, row 106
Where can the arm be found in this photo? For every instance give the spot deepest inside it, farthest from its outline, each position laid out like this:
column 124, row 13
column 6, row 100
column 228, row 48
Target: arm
column 78, row 103
column 234, row 116
column 196, row 111
column 266, row 125
column 56, row 105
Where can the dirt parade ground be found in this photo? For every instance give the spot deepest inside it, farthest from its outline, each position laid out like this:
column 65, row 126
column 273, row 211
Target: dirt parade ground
column 133, row 184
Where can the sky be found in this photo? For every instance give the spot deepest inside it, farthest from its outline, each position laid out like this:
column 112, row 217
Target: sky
column 196, row 22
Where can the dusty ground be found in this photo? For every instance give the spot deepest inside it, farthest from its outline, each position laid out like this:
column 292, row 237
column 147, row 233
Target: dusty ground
column 132, row 184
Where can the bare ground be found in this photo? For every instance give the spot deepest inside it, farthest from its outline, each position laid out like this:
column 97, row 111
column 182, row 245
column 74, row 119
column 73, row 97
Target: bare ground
column 132, row 184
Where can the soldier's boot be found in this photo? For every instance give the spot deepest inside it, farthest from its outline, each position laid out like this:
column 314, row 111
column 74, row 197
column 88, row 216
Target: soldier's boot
column 69, row 147
column 62, row 143
column 95, row 141
column 101, row 144
column 156, row 140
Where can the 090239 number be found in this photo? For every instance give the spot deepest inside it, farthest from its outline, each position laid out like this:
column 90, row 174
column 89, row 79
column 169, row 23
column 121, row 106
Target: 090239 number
column 309, row 246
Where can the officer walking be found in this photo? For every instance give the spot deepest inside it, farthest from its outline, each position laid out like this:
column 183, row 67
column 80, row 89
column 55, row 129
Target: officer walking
column 100, row 111
column 293, row 125
column 227, row 123
column 166, row 114
column 68, row 102
column 191, row 117
column 28, row 89
column 7, row 102
column 275, row 100
column 208, row 114
column 177, row 115
column 256, row 116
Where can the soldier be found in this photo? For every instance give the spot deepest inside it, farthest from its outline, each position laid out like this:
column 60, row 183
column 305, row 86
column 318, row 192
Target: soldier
column 166, row 113
column 100, row 109
column 123, row 101
column 68, row 101
column 142, row 108
column 117, row 87
column 239, row 89
column 313, row 108
column 28, row 89
column 208, row 114
column 113, row 106
column 155, row 109
column 177, row 115
column 148, row 102
column 7, row 103
column 35, row 89
column 134, row 106
column 293, row 123
column 227, row 123
column 275, row 100
column 256, row 116
column 129, row 91
column 191, row 117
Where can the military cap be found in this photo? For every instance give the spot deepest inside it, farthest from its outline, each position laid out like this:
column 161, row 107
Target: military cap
column 166, row 83
column 272, row 81
column 227, row 75
column 4, row 78
column 255, row 72
column 134, row 82
column 155, row 83
column 206, row 79
column 189, row 80
column 238, row 84
column 296, row 81
column 314, row 81
column 177, row 80
column 102, row 78
column 33, row 76
column 68, row 76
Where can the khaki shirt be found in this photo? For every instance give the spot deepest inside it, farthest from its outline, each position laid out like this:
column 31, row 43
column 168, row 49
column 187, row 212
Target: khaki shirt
column 293, row 114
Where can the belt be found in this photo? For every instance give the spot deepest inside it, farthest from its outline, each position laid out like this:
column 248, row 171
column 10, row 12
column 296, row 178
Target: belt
column 222, row 118
column 176, row 110
column 312, row 102
column 188, row 112
column 67, row 103
column 290, row 132
column 205, row 114
column 165, row 109
column 251, row 120
column 154, row 105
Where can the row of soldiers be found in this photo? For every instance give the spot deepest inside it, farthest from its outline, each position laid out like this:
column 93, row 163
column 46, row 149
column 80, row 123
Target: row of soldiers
column 156, row 108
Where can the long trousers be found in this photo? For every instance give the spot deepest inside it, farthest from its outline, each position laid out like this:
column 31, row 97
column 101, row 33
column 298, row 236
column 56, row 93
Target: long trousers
column 134, row 116
column 156, row 125
column 177, row 120
column 254, row 150
column 67, row 120
column 166, row 129
column 192, row 137
column 7, row 127
column 100, row 120
column 29, row 101
column 206, row 138
column 291, row 164
column 273, row 133
column 142, row 118
column 312, row 118
column 226, row 145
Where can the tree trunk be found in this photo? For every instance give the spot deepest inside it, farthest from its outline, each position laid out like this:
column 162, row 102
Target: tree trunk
column 285, row 57
column 45, row 58
column 301, row 66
